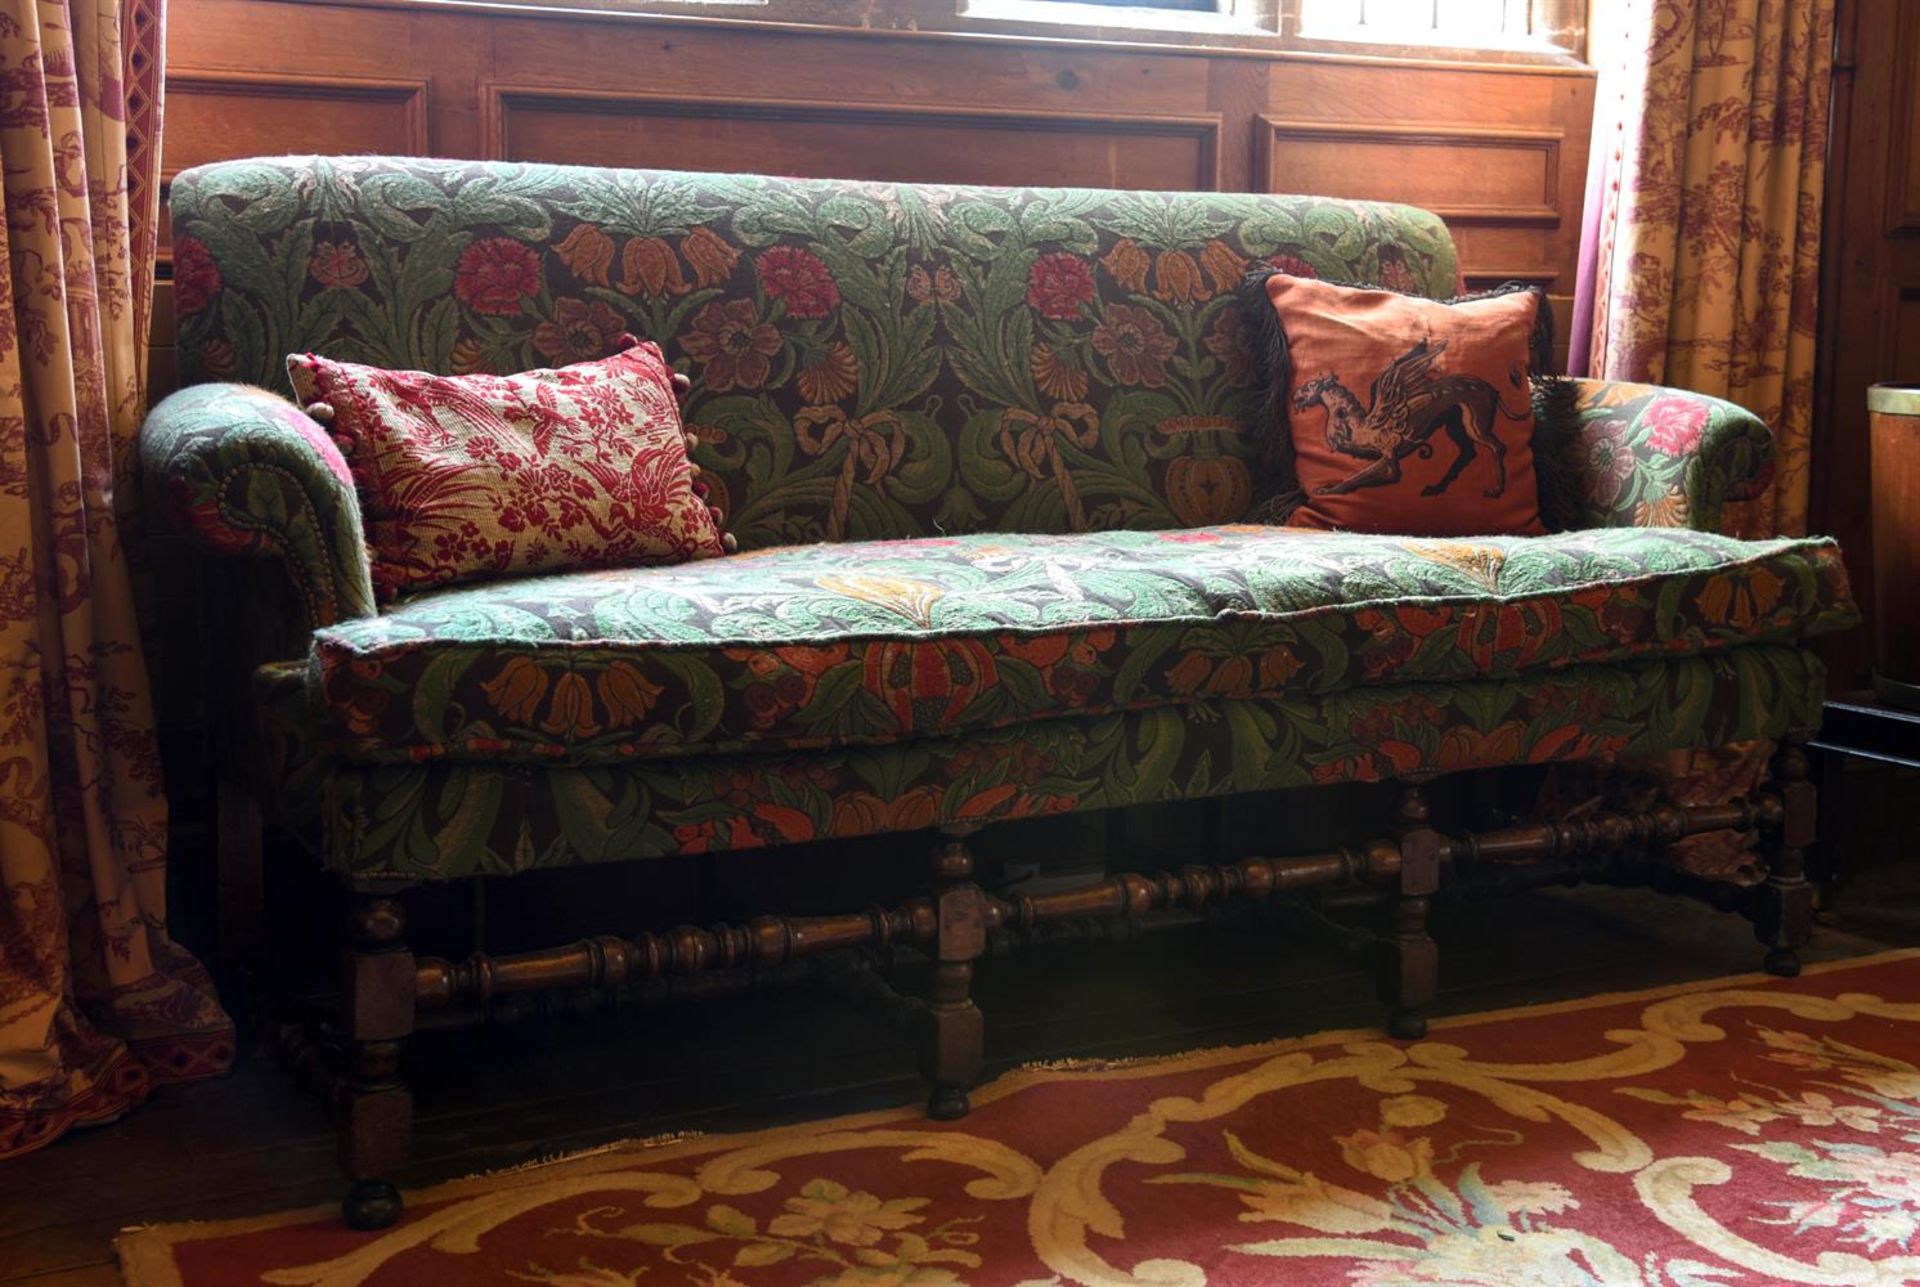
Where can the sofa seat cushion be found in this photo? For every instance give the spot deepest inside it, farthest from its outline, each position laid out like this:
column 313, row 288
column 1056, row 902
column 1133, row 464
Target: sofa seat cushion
column 809, row 647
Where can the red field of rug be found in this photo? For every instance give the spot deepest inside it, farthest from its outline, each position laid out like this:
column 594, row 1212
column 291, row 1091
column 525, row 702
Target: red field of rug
column 1748, row 1130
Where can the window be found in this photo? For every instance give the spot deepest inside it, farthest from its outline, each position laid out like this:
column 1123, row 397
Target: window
column 1189, row 6
column 1496, row 30
column 1516, row 32
column 1465, row 24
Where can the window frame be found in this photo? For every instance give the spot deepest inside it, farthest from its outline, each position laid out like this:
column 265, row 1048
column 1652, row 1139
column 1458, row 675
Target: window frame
column 1565, row 36
column 1264, row 28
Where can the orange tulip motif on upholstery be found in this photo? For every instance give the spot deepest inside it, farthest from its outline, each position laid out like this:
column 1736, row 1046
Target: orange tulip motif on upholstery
column 1407, row 415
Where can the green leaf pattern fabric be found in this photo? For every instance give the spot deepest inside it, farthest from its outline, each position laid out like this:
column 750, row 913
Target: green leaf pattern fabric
column 988, row 450
column 869, row 360
column 246, row 472
column 1638, row 455
column 865, row 643
column 444, row 820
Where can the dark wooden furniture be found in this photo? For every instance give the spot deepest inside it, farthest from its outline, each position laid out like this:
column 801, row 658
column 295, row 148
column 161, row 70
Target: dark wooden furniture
column 1893, row 414
column 1869, row 315
column 1857, row 726
column 388, row 991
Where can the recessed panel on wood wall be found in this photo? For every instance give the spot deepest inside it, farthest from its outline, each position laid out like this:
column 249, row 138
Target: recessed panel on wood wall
column 218, row 116
column 852, row 141
column 1465, row 174
column 1903, row 166
column 1905, row 367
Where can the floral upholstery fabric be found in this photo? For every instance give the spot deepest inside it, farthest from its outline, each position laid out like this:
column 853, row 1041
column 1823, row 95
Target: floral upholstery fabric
column 973, row 409
column 442, row 820
column 475, row 477
column 943, row 367
column 1639, row 455
column 869, row 360
column 871, row 642
column 245, row 472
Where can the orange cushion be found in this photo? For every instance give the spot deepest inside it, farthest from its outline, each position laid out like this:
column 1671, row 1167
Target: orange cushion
column 467, row 477
column 1406, row 415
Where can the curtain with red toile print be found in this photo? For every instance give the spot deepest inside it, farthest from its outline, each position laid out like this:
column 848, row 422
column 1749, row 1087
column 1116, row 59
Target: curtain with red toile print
column 1701, row 260
column 97, row 1003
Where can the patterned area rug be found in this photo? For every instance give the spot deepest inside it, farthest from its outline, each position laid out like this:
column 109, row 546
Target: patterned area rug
column 1746, row 1130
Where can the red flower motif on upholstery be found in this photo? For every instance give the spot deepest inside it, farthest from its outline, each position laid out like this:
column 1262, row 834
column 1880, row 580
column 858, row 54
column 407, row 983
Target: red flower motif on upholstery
column 927, row 684
column 798, row 279
column 1059, row 286
column 196, row 278
column 733, row 345
column 579, row 332
column 494, row 275
column 1677, row 424
column 1293, row 265
column 1135, row 345
column 337, row 263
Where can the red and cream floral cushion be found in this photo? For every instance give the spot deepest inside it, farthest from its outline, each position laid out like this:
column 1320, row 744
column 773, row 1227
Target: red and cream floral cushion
column 467, row 477
column 1405, row 415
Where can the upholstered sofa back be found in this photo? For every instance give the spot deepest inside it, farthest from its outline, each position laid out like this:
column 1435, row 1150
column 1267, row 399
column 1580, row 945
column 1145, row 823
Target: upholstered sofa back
column 869, row 360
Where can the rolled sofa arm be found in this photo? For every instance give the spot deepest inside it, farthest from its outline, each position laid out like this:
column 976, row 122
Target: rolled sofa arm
column 245, row 472
column 1614, row 454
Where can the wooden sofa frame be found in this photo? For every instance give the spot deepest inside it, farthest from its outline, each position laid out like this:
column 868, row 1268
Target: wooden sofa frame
column 388, row 993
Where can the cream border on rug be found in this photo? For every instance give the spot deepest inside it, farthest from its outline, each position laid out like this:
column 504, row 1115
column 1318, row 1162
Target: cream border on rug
column 146, row 1252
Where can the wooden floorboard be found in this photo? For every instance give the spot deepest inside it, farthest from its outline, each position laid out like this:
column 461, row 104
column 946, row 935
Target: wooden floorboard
column 251, row 1143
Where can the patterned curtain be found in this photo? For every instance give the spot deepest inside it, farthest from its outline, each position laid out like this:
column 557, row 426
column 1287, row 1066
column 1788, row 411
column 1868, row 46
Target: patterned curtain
column 97, row 1004
column 1700, row 258
column 1700, row 267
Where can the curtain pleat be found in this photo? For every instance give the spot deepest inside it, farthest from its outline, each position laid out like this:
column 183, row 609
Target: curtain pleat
column 97, row 1003
column 1703, row 243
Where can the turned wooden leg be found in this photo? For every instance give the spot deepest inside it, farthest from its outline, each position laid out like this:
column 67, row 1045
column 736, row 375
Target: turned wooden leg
column 1413, row 963
column 376, row 1111
column 1783, row 914
column 951, row 1047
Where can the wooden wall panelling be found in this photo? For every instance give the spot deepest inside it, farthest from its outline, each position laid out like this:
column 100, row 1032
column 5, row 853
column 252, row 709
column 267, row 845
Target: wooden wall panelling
column 1903, row 361
column 1500, row 153
column 217, row 115
column 212, row 115
column 850, row 140
column 737, row 61
column 1237, row 92
column 1870, row 284
column 1465, row 174
column 561, row 86
column 1903, row 161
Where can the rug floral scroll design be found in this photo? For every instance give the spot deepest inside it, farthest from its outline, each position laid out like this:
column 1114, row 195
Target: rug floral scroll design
column 1736, row 1132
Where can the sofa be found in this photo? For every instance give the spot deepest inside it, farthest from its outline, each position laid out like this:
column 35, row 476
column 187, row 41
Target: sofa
column 1007, row 548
